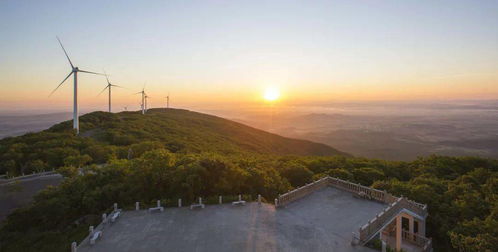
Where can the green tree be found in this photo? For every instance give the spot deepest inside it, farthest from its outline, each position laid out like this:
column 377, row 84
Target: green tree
column 77, row 161
column 367, row 175
column 297, row 174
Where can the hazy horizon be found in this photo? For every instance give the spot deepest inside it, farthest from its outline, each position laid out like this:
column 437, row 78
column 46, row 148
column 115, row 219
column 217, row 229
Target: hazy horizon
column 388, row 130
column 304, row 107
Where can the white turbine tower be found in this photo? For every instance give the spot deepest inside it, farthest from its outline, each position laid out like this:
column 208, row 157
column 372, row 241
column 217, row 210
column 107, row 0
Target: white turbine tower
column 142, row 105
column 109, row 85
column 74, row 71
column 167, row 101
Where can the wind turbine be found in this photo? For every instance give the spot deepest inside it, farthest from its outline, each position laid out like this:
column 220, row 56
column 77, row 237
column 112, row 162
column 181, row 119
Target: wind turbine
column 167, row 101
column 142, row 105
column 74, row 72
column 109, row 85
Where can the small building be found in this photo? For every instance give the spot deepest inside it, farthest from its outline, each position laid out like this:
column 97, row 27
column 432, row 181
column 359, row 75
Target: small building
column 400, row 226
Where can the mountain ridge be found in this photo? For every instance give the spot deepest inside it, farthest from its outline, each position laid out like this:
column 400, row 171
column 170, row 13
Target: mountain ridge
column 128, row 134
column 176, row 122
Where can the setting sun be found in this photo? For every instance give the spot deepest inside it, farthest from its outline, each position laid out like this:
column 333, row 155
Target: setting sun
column 271, row 94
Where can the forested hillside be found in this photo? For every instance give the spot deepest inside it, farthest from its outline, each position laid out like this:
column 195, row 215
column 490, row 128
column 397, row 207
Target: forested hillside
column 128, row 134
column 461, row 192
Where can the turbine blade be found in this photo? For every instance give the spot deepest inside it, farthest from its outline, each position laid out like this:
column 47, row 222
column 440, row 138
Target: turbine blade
column 61, row 83
column 117, row 86
column 103, row 90
column 106, row 76
column 71, row 63
column 83, row 71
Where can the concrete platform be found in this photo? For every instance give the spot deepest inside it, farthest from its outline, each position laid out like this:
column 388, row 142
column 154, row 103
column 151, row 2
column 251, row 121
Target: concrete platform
column 323, row 221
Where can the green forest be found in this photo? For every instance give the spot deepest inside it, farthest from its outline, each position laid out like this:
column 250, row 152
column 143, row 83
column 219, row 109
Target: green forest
column 170, row 154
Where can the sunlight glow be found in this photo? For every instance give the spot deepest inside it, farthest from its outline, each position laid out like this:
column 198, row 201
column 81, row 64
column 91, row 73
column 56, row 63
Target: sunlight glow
column 271, row 94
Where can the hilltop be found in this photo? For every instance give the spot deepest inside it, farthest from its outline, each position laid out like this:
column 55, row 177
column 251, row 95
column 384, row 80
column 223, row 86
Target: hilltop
column 129, row 134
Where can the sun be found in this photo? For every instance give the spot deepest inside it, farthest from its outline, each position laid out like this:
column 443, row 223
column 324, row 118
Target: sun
column 271, row 94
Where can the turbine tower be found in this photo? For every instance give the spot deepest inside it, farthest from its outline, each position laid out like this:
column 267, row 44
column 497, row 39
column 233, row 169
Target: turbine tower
column 167, row 101
column 74, row 72
column 142, row 105
column 109, row 85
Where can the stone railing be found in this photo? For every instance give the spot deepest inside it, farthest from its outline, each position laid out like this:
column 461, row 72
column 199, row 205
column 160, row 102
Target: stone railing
column 417, row 240
column 100, row 227
column 374, row 225
column 300, row 192
column 368, row 192
column 5, row 179
column 371, row 193
column 417, row 208
column 428, row 246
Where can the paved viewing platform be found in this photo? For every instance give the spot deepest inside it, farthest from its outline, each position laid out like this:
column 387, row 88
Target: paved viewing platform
column 322, row 221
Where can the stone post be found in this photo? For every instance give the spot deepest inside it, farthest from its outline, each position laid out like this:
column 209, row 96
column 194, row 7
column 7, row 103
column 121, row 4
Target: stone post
column 421, row 227
column 179, row 202
column 240, row 197
column 74, row 247
column 158, row 203
column 104, row 217
column 115, row 206
column 398, row 233
column 220, row 199
column 276, row 202
column 411, row 224
column 137, row 206
column 90, row 230
column 200, row 201
column 259, row 198
column 354, row 239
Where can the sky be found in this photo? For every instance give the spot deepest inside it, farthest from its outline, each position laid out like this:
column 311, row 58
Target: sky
column 226, row 53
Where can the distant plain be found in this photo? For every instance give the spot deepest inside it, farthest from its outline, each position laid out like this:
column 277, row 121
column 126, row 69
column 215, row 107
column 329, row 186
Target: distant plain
column 391, row 130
